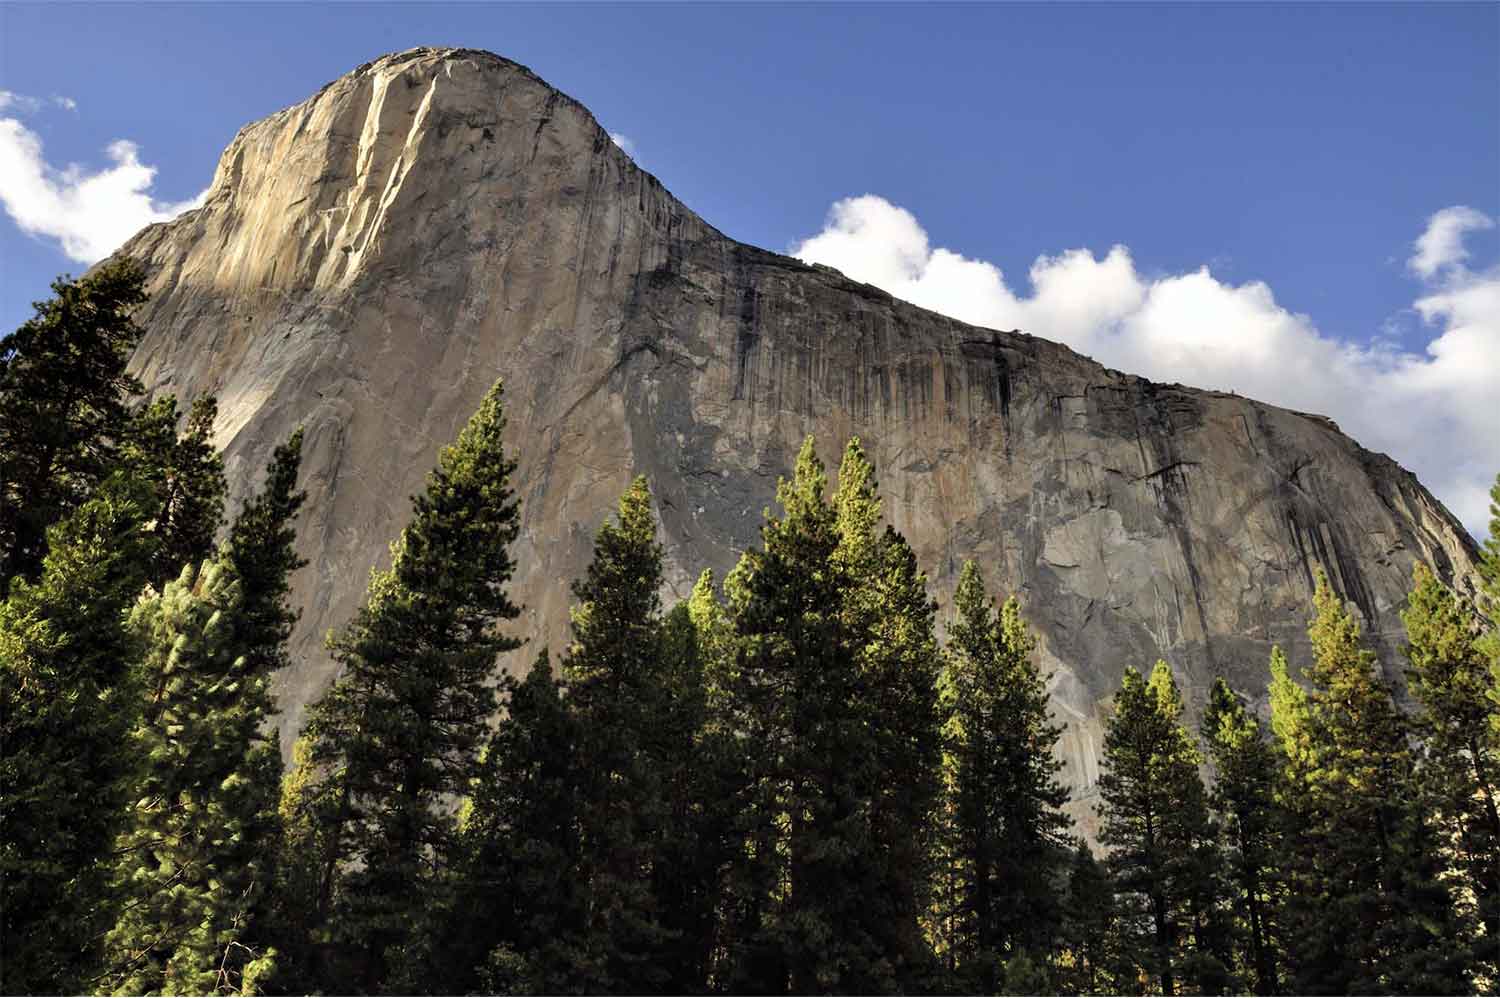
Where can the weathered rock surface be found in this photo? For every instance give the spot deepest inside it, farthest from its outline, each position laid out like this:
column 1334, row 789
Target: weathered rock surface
column 369, row 261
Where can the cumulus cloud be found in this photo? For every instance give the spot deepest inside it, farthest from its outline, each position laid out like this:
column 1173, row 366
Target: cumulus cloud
column 89, row 214
column 1442, row 244
column 623, row 141
column 1433, row 410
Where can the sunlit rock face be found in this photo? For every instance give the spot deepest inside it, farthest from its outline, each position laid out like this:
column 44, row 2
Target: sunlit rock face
column 370, row 261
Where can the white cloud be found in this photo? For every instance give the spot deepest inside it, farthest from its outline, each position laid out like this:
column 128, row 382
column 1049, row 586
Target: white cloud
column 1442, row 245
column 89, row 213
column 22, row 104
column 624, row 141
column 1434, row 411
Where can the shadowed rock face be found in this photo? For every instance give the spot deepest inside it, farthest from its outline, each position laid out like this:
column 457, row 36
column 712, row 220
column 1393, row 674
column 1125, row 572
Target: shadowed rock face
column 370, row 261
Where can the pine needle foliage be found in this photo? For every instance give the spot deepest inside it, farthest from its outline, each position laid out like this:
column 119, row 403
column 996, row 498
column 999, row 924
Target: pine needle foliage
column 399, row 732
column 193, row 861
column 63, row 414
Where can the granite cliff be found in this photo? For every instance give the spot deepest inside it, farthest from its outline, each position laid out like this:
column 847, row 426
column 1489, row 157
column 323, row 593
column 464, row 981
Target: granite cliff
column 369, row 261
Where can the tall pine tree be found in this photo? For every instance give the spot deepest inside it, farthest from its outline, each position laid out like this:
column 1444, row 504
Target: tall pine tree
column 66, row 705
column 616, row 683
column 1007, row 846
column 399, row 732
column 1366, row 909
column 1244, row 798
column 63, row 392
column 191, row 866
column 1460, row 763
column 1155, row 822
column 521, row 918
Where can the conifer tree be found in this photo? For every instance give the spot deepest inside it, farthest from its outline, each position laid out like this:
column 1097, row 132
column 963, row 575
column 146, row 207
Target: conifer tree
column 66, row 704
column 1244, row 797
column 519, row 924
column 1090, row 965
column 192, row 864
column 616, row 679
column 260, row 548
column 1366, row 910
column 1007, row 825
column 892, row 621
column 793, row 910
column 187, row 476
column 63, row 388
column 400, row 730
column 1155, row 822
column 1456, row 721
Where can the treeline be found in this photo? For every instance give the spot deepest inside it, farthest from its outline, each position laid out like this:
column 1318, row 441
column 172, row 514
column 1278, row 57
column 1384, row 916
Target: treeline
column 786, row 783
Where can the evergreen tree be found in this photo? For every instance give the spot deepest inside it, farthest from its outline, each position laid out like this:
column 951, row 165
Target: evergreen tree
column 1089, row 964
column 1244, row 797
column 399, row 731
column 1449, row 679
column 260, row 548
column 616, row 683
column 63, row 387
column 520, row 922
column 66, row 705
column 1154, row 815
column 793, row 917
column 1007, row 828
column 1366, row 910
column 187, row 476
column 192, row 864
column 892, row 622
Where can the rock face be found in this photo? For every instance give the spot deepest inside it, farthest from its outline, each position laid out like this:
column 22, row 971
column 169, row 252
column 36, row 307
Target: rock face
column 370, row 261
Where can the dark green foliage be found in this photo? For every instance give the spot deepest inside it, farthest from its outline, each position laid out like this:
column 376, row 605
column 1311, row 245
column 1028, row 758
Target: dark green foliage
column 617, row 693
column 891, row 620
column 66, row 704
column 260, row 548
column 1366, row 910
column 399, row 732
column 1460, row 764
column 1006, row 836
column 1244, row 799
column 192, row 864
column 1090, row 964
column 63, row 388
column 187, row 476
column 521, row 907
column 1155, row 822
column 822, row 695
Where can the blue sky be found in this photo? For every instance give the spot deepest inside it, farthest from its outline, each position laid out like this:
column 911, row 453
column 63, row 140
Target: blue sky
column 1296, row 152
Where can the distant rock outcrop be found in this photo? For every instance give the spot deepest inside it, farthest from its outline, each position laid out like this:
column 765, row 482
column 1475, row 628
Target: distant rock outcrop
column 369, row 261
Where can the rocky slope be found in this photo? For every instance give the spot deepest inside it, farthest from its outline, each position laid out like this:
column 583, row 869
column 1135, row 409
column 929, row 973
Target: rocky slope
column 369, row 261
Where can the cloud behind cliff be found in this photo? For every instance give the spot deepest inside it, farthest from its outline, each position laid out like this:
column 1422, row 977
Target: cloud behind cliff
column 88, row 213
column 1432, row 410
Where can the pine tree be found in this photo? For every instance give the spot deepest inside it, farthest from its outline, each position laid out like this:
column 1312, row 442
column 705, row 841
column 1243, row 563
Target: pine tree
column 261, row 550
column 187, row 476
column 66, row 705
column 400, row 730
column 192, row 864
column 63, row 387
column 892, row 621
column 616, row 682
column 1244, row 798
column 1456, row 721
column 807, row 758
column 1154, row 816
column 1089, row 962
column 1366, row 909
column 519, row 924
column 1007, row 827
